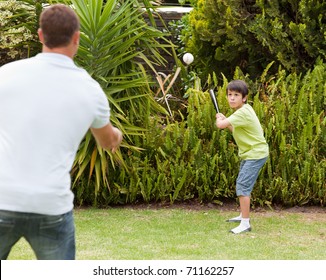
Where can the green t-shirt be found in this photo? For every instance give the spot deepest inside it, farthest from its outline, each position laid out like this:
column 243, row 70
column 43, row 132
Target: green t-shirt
column 248, row 133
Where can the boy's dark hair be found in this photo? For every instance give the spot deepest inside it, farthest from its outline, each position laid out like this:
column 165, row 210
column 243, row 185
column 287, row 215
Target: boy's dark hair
column 58, row 23
column 238, row 86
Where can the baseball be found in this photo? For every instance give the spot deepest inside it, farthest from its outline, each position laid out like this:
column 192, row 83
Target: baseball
column 188, row 58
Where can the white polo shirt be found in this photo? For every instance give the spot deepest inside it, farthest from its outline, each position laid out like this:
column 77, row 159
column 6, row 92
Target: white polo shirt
column 47, row 104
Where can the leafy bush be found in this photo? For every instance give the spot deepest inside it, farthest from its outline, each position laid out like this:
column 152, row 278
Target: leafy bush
column 167, row 160
column 18, row 25
column 191, row 159
column 250, row 34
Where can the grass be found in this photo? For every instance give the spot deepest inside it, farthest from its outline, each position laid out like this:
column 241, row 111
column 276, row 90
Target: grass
column 185, row 234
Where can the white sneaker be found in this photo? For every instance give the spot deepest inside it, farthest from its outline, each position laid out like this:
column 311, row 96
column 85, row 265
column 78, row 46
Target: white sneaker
column 240, row 229
column 234, row 220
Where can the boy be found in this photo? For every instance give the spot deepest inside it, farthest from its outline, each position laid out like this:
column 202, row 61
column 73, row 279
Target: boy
column 253, row 149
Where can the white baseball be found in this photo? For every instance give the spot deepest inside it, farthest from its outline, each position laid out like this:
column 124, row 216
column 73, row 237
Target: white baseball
column 188, row 58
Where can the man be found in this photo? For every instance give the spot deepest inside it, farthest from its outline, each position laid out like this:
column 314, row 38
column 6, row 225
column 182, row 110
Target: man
column 47, row 104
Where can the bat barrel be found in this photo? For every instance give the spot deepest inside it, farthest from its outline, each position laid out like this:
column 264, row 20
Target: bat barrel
column 211, row 92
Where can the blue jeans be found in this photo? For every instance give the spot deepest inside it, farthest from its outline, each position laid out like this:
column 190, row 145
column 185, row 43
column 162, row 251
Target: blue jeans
column 51, row 237
column 248, row 174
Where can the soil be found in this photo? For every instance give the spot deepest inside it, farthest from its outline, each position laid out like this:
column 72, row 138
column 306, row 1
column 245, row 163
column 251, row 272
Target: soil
column 309, row 213
column 228, row 205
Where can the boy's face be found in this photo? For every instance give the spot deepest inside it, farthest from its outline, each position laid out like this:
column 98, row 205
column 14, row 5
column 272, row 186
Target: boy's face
column 235, row 99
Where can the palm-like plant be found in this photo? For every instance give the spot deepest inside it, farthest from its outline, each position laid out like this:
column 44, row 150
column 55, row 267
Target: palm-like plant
column 116, row 47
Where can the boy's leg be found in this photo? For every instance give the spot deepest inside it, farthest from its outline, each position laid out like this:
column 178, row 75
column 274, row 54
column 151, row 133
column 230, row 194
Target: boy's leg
column 248, row 174
column 238, row 218
column 245, row 210
column 244, row 206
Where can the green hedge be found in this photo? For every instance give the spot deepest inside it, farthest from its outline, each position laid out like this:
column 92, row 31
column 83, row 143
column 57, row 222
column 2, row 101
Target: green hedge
column 192, row 159
column 251, row 33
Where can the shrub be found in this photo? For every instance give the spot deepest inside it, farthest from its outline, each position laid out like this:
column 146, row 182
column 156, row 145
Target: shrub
column 250, row 34
column 18, row 25
column 191, row 159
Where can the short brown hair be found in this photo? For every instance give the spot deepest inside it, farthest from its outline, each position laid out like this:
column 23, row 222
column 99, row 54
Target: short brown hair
column 58, row 23
column 238, row 86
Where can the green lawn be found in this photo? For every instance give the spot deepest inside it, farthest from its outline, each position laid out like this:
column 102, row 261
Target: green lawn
column 185, row 234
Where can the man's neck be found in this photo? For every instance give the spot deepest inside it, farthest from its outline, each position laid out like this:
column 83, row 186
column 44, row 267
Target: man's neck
column 63, row 51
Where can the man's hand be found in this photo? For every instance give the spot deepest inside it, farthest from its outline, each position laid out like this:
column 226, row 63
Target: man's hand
column 108, row 137
column 115, row 145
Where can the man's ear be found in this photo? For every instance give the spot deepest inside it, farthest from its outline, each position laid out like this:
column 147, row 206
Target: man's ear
column 40, row 35
column 76, row 37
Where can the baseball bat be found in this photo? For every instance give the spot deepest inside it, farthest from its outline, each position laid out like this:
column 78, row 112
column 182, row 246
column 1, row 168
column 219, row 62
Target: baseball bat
column 211, row 92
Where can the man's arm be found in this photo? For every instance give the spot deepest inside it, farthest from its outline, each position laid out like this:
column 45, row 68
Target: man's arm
column 108, row 137
column 222, row 122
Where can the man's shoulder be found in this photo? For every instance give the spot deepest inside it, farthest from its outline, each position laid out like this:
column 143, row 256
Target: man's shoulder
column 15, row 63
column 16, row 67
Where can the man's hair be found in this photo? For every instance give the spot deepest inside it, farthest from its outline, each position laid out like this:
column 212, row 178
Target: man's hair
column 58, row 23
column 238, row 86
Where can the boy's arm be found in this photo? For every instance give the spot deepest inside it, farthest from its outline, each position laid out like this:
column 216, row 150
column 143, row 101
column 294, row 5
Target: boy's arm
column 222, row 122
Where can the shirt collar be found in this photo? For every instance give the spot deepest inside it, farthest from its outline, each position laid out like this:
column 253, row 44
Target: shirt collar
column 55, row 57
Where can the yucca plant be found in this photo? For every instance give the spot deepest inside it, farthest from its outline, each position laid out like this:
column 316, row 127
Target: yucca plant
column 117, row 47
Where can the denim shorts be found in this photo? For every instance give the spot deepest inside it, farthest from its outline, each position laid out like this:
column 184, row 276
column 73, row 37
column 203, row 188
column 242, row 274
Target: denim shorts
column 248, row 174
column 51, row 237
